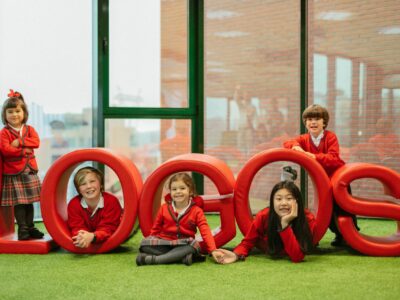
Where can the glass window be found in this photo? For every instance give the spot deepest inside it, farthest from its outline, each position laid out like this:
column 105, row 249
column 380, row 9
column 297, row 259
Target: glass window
column 252, row 78
column 148, row 142
column 362, row 73
column 47, row 58
column 148, row 53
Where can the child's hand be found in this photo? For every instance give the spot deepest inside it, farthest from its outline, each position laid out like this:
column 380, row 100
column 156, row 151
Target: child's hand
column 28, row 151
column 311, row 155
column 228, row 257
column 83, row 239
column 285, row 220
column 15, row 143
column 217, row 255
column 298, row 148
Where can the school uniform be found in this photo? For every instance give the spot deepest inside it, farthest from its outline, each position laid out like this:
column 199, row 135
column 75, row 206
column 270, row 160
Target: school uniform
column 326, row 153
column 103, row 220
column 257, row 236
column 21, row 185
column 326, row 150
column 173, row 229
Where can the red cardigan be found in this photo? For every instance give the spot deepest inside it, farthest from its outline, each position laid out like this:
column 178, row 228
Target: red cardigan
column 104, row 222
column 256, row 236
column 15, row 160
column 327, row 153
column 168, row 226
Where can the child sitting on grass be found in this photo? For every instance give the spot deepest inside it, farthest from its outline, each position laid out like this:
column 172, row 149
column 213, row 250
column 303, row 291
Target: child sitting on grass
column 172, row 237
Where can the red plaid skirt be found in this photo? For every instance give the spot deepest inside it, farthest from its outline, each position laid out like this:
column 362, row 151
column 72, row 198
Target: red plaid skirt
column 155, row 241
column 23, row 188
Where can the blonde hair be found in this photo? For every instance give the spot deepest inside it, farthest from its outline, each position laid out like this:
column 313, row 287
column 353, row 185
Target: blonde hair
column 81, row 174
column 316, row 111
column 187, row 179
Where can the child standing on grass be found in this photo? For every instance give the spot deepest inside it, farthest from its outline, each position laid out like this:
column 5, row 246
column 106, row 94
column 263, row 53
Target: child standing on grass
column 172, row 237
column 283, row 228
column 323, row 146
column 93, row 215
column 21, row 184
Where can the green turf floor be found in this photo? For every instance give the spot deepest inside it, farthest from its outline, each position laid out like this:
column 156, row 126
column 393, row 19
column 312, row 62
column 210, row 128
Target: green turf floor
column 328, row 274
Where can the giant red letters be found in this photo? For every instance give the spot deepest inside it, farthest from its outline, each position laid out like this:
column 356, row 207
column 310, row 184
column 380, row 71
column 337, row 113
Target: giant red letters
column 378, row 246
column 54, row 191
column 213, row 168
column 317, row 173
column 53, row 199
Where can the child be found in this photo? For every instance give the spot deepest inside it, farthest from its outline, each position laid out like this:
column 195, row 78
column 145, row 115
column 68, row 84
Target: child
column 21, row 185
column 322, row 145
column 93, row 215
column 283, row 228
column 172, row 236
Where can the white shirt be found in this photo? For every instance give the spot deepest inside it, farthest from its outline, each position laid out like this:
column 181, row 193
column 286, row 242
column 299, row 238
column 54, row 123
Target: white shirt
column 100, row 204
column 182, row 211
column 19, row 130
column 317, row 140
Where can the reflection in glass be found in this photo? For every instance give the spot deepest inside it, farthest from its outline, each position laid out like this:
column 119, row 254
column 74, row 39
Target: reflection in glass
column 252, row 76
column 148, row 143
column 362, row 73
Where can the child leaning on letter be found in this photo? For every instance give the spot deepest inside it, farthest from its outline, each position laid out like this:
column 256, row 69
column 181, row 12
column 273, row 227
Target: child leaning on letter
column 323, row 146
column 172, row 238
column 21, row 185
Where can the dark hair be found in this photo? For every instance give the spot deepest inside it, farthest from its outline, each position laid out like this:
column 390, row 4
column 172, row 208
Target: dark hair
column 299, row 224
column 186, row 179
column 81, row 174
column 13, row 102
column 316, row 111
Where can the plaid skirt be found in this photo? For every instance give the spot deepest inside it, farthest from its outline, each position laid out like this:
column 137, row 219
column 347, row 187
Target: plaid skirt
column 23, row 188
column 155, row 241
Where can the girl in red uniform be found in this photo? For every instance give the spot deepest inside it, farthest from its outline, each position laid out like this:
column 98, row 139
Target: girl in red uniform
column 323, row 146
column 284, row 227
column 21, row 185
column 93, row 215
column 172, row 237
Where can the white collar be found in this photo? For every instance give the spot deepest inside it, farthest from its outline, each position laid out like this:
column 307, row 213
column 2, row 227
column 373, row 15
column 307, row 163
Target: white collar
column 183, row 210
column 317, row 140
column 100, row 204
column 19, row 130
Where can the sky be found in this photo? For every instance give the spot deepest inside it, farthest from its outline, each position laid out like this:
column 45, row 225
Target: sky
column 46, row 51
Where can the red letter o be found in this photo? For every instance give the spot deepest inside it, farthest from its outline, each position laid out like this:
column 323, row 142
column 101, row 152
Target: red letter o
column 321, row 182
column 54, row 191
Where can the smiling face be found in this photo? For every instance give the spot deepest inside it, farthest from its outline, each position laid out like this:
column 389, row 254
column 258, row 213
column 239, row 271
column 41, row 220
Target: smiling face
column 283, row 200
column 180, row 193
column 15, row 116
column 90, row 188
column 315, row 126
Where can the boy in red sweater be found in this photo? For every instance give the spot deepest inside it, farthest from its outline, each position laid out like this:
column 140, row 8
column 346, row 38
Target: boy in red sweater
column 93, row 215
column 322, row 145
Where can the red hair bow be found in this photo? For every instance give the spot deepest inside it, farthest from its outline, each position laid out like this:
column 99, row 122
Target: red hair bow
column 13, row 94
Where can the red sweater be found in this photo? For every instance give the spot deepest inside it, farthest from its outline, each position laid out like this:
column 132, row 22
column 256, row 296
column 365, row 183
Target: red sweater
column 104, row 222
column 15, row 160
column 256, row 235
column 327, row 153
column 168, row 226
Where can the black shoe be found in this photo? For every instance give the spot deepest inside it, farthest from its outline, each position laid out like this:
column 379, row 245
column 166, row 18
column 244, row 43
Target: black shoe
column 23, row 233
column 199, row 258
column 141, row 259
column 188, row 259
column 338, row 241
column 35, row 233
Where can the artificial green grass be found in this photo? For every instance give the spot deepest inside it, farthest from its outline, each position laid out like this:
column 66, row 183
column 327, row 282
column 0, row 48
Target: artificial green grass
column 328, row 274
